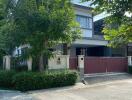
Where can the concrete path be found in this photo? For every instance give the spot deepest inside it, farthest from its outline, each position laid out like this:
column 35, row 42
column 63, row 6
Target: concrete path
column 113, row 90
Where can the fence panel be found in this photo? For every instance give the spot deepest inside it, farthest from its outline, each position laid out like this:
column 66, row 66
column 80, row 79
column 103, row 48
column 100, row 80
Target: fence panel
column 117, row 64
column 94, row 65
column 73, row 63
column 105, row 64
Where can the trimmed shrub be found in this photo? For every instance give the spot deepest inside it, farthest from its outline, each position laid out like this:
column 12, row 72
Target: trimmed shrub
column 6, row 79
column 32, row 80
column 1, row 67
column 21, row 68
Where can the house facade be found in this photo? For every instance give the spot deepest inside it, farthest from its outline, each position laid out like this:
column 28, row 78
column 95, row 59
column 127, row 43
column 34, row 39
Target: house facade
column 91, row 51
column 92, row 42
column 98, row 58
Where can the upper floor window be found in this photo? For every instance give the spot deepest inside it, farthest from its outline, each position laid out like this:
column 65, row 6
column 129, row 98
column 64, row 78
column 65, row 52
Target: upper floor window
column 84, row 21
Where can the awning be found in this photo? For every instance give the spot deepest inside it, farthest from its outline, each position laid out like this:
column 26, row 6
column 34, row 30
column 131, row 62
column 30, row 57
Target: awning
column 91, row 42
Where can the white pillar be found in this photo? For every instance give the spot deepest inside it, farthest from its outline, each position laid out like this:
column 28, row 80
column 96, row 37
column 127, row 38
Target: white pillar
column 67, row 60
column 29, row 64
column 130, row 60
column 81, row 61
column 81, row 66
column 7, row 62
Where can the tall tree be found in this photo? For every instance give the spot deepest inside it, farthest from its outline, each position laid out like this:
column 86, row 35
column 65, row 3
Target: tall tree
column 40, row 23
column 118, row 25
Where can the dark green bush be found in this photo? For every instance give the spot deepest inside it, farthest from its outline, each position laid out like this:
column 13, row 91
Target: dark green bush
column 21, row 68
column 6, row 79
column 130, row 69
column 32, row 80
column 1, row 67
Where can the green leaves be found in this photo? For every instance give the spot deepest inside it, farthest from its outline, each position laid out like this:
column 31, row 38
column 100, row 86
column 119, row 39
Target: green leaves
column 117, row 37
column 117, row 29
column 41, row 23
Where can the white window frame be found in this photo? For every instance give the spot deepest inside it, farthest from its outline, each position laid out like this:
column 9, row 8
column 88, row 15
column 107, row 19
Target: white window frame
column 88, row 21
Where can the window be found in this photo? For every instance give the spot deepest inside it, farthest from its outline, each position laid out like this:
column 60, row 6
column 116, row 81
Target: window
column 98, row 27
column 84, row 21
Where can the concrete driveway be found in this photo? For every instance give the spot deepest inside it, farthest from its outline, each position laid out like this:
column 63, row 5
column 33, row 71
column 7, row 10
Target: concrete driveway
column 113, row 90
column 117, row 87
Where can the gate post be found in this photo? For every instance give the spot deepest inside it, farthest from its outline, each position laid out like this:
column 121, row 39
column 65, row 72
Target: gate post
column 81, row 66
column 129, row 60
column 29, row 64
column 7, row 62
column 68, row 63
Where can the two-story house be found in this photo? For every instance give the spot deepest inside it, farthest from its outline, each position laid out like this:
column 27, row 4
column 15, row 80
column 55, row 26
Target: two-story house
column 93, row 42
column 90, row 44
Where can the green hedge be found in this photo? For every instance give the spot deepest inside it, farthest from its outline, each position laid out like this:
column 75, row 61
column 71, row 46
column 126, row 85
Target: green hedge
column 32, row 80
column 21, row 68
column 6, row 79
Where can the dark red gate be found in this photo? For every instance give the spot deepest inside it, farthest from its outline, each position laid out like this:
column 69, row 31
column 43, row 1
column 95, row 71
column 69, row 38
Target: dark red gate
column 105, row 64
column 73, row 63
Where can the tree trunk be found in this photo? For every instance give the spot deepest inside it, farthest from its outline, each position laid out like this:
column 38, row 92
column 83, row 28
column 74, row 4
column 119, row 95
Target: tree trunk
column 65, row 49
column 41, row 63
column 45, row 61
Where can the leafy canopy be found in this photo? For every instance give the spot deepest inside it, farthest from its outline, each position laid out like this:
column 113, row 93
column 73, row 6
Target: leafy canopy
column 118, row 25
column 40, row 23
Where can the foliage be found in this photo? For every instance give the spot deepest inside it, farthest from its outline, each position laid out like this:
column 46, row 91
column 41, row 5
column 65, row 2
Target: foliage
column 21, row 68
column 6, row 79
column 18, row 64
column 119, row 36
column 118, row 23
column 25, row 81
column 32, row 80
column 42, row 24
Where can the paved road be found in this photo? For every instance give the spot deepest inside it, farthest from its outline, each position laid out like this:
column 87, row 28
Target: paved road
column 107, row 78
column 118, row 87
column 14, row 95
column 116, row 90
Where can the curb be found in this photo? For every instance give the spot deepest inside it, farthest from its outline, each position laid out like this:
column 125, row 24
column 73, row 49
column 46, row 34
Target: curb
column 76, row 87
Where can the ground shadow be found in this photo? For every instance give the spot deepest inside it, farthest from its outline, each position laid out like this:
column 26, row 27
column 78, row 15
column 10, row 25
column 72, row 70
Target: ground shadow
column 108, row 78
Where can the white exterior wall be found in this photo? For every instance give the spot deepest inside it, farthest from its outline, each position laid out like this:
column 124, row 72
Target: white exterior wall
column 59, row 62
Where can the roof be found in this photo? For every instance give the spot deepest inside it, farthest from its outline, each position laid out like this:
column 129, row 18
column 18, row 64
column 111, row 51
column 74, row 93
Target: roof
column 83, row 7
